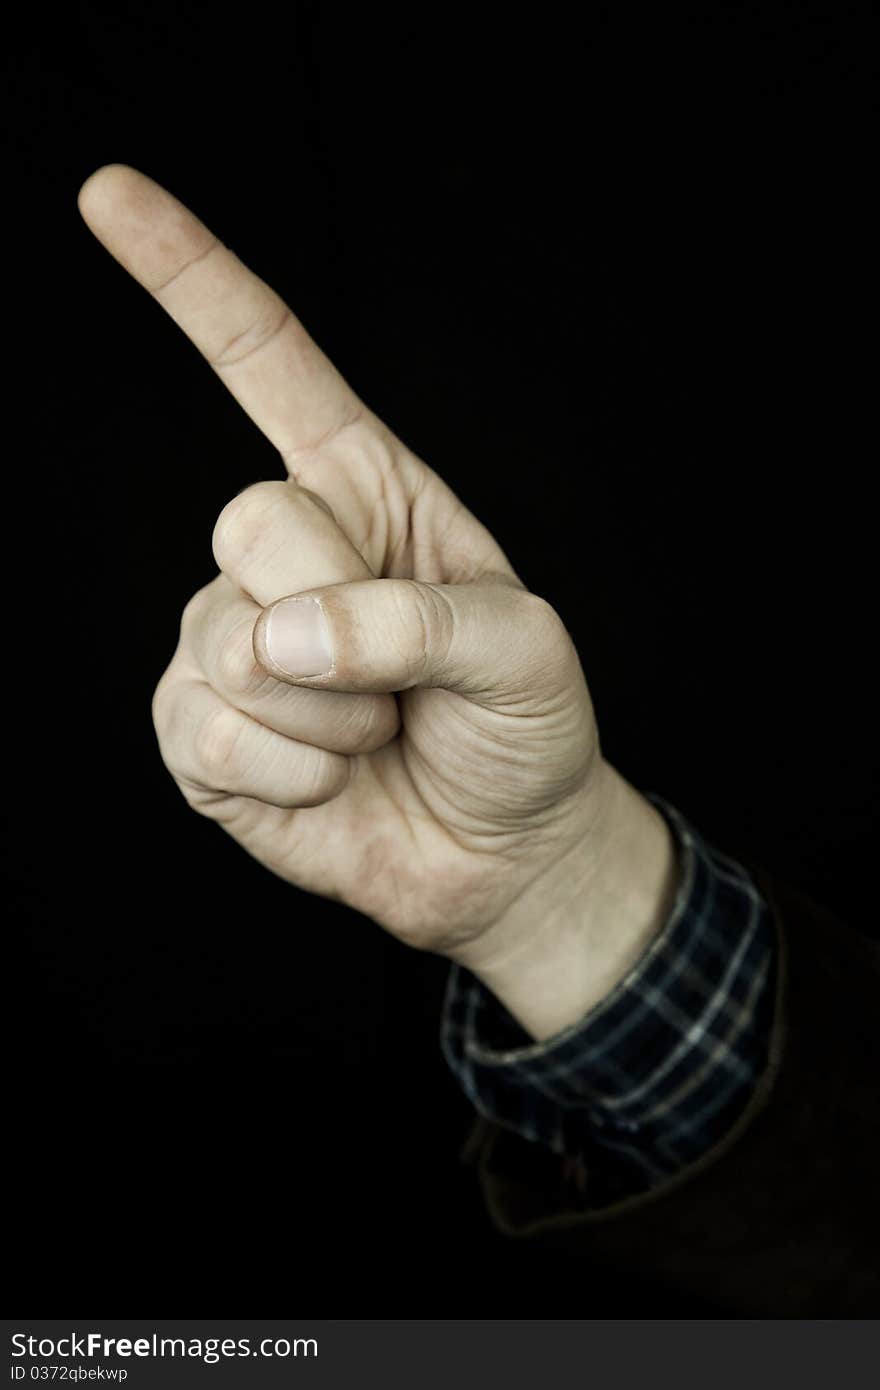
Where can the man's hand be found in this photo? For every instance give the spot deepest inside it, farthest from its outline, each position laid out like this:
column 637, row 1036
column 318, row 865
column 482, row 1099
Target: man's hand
column 367, row 697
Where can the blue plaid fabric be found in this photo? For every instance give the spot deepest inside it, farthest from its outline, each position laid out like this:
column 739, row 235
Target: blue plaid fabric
column 656, row 1072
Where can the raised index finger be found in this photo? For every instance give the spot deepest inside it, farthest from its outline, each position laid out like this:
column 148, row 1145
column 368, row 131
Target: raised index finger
column 257, row 346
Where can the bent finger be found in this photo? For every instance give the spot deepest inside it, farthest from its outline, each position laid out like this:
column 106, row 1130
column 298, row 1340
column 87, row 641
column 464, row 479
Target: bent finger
column 207, row 745
column 274, row 538
column 217, row 633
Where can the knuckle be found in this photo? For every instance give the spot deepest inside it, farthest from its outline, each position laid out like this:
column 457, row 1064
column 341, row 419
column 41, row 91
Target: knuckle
column 217, row 744
column 441, row 626
column 550, row 640
column 321, row 778
column 157, row 710
column 238, row 670
column 159, row 706
column 367, row 724
column 242, row 522
column 540, row 614
column 165, row 706
column 193, row 610
column 170, row 720
column 427, row 622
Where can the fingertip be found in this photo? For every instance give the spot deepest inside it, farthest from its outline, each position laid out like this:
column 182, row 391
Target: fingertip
column 94, row 185
column 107, row 188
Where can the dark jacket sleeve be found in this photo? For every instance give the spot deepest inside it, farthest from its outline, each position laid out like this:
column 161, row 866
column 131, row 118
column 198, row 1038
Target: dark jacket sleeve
column 782, row 1217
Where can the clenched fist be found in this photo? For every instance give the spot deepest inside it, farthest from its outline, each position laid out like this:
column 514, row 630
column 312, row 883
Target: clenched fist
column 366, row 697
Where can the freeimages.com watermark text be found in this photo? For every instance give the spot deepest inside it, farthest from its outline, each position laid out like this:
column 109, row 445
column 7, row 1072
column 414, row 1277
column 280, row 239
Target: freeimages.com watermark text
column 52, row 1358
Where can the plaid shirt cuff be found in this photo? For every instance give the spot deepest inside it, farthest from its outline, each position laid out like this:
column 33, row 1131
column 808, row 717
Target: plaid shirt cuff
column 657, row 1072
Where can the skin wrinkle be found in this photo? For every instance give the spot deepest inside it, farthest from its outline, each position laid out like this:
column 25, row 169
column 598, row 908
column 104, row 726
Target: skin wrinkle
column 290, row 456
column 403, row 553
column 215, row 246
column 397, row 522
column 378, row 513
column 222, row 361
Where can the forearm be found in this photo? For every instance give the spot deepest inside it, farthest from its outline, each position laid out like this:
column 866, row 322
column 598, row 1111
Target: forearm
column 758, row 1147
column 579, row 930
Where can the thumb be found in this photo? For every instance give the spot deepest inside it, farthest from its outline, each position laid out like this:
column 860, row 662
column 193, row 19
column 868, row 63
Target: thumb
column 491, row 640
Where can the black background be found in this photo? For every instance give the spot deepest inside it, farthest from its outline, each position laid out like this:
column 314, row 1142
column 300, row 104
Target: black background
column 603, row 272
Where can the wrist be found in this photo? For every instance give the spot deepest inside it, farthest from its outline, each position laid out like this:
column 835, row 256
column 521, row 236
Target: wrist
column 578, row 930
